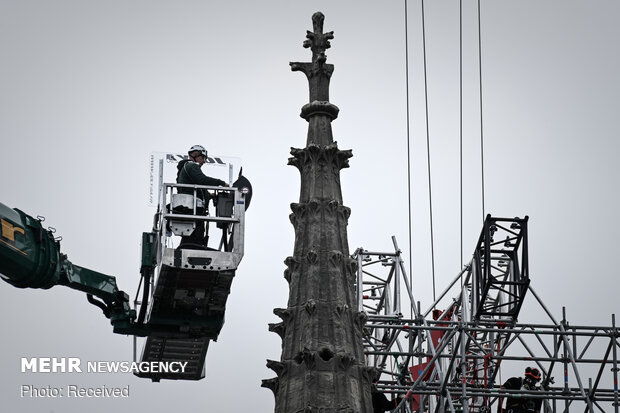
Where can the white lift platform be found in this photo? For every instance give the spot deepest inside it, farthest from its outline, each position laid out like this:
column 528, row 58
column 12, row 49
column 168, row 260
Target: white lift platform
column 192, row 281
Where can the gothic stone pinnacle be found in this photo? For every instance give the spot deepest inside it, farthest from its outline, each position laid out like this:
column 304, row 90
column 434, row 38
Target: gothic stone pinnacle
column 321, row 368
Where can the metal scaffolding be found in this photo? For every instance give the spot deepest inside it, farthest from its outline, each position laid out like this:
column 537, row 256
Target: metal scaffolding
column 456, row 355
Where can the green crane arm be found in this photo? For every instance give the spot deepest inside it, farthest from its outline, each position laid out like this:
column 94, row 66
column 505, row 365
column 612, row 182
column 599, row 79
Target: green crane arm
column 30, row 257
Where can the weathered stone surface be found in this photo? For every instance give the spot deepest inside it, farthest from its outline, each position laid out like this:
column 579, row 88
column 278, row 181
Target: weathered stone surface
column 322, row 367
column 271, row 384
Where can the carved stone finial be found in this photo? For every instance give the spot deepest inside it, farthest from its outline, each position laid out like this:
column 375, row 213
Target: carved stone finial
column 318, row 41
column 318, row 72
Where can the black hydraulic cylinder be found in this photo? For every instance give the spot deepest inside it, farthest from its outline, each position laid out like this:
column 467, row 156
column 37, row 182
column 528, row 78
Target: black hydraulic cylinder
column 29, row 255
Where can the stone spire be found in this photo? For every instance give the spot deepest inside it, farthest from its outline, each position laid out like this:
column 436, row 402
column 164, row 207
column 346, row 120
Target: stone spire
column 322, row 365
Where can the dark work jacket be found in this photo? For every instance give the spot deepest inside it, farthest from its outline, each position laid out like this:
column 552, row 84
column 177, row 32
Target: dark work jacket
column 521, row 404
column 189, row 172
column 381, row 404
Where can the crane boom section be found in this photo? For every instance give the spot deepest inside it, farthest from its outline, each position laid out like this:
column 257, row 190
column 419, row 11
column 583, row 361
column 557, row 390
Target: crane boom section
column 30, row 257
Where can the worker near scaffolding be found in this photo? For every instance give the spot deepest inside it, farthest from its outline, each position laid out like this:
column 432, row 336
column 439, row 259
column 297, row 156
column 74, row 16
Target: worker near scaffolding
column 522, row 403
column 189, row 172
column 380, row 403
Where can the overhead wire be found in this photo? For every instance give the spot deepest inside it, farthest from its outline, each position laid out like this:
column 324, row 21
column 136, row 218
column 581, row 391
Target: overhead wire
column 428, row 152
column 461, row 126
column 408, row 121
column 428, row 132
column 482, row 189
column 481, row 123
column 408, row 148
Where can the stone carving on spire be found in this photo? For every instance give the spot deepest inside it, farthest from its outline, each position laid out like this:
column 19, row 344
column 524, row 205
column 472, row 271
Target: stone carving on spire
column 318, row 71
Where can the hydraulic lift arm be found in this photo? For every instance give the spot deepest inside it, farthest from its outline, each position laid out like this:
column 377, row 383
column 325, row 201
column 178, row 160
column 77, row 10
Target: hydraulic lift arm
column 30, row 257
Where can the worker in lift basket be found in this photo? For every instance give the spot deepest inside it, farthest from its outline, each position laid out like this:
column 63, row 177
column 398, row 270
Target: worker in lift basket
column 522, row 404
column 189, row 172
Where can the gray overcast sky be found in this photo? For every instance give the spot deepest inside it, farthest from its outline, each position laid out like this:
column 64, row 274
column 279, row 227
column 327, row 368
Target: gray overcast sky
column 89, row 88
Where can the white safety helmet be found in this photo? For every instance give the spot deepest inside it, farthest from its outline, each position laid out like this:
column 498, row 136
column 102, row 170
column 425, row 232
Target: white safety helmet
column 198, row 148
